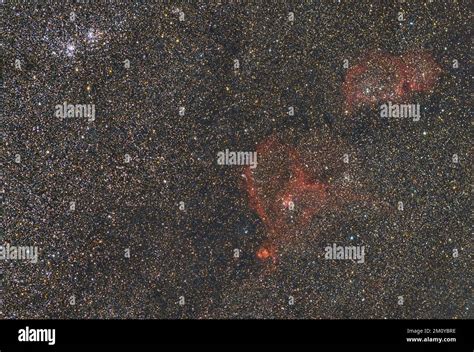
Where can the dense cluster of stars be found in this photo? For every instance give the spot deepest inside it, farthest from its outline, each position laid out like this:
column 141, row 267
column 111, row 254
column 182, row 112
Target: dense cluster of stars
column 134, row 218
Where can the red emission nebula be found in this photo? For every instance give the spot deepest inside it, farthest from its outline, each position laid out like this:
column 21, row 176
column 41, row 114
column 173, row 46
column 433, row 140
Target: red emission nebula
column 287, row 193
column 381, row 77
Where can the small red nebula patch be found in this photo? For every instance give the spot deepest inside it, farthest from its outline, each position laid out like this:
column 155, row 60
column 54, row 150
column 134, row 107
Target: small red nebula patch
column 263, row 253
column 381, row 77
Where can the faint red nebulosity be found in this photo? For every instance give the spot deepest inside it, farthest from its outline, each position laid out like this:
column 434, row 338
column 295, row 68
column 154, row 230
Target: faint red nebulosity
column 421, row 71
column 288, row 195
column 381, row 77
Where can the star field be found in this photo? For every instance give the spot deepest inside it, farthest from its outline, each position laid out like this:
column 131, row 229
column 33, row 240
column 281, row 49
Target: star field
column 134, row 218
